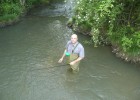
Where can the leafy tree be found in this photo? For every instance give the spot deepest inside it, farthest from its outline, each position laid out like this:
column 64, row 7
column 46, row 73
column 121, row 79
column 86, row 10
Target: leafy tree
column 118, row 20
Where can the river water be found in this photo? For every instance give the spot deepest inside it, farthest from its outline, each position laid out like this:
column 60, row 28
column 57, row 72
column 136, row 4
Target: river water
column 30, row 49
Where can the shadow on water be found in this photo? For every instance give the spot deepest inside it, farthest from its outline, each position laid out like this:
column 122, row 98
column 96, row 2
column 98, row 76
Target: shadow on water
column 29, row 49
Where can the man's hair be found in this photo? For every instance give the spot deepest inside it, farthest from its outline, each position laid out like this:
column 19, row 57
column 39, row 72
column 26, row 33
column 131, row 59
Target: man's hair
column 75, row 35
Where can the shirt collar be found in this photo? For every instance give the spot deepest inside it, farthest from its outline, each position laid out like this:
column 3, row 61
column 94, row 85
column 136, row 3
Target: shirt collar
column 75, row 44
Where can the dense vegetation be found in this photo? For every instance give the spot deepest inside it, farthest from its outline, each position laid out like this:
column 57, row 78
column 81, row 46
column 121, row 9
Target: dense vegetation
column 12, row 9
column 116, row 21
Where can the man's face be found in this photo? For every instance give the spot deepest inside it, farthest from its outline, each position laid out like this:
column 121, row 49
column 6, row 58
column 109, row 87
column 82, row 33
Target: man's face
column 74, row 39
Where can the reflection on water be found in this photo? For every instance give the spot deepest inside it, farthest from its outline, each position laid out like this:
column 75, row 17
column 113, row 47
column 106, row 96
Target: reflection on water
column 30, row 50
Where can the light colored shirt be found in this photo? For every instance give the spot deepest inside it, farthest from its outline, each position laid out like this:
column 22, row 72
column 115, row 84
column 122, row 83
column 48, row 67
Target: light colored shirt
column 76, row 49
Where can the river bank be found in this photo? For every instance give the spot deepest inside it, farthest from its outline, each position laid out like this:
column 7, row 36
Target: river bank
column 14, row 12
column 12, row 21
column 126, row 57
column 9, row 22
column 65, row 10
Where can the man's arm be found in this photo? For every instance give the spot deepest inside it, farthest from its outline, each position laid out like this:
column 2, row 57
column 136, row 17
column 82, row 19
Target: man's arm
column 61, row 59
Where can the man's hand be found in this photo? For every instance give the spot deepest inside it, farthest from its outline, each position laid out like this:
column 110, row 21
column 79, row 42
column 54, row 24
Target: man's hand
column 60, row 60
column 75, row 61
column 72, row 63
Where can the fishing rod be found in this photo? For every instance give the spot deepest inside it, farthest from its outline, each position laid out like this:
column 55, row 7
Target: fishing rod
column 51, row 67
column 59, row 65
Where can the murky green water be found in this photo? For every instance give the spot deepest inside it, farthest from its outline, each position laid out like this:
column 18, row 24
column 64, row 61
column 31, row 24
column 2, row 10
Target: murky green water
column 29, row 48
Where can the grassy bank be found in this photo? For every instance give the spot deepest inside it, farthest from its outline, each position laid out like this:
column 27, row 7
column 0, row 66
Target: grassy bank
column 12, row 10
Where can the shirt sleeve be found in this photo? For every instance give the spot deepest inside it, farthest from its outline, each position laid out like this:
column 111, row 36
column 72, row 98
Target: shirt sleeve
column 82, row 52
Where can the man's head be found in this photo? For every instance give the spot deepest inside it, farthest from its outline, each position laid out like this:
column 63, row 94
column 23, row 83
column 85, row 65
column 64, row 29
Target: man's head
column 74, row 38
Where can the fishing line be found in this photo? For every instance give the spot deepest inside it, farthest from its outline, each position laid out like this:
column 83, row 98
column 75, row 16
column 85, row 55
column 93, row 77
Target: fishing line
column 46, row 68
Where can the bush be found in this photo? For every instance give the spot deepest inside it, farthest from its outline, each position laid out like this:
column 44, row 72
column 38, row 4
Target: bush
column 119, row 20
column 7, row 8
column 10, row 9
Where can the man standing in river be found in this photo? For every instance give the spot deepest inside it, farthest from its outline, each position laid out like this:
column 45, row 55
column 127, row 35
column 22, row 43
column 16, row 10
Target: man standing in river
column 74, row 52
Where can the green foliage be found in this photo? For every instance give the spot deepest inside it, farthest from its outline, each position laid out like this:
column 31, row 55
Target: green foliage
column 118, row 18
column 10, row 9
column 96, row 14
column 7, row 17
column 126, row 43
column 95, row 37
column 131, row 44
